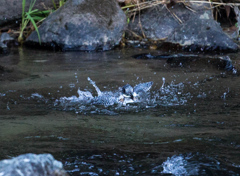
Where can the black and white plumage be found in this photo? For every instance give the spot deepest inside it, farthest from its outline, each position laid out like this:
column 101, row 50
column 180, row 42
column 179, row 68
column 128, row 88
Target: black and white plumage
column 136, row 94
column 127, row 90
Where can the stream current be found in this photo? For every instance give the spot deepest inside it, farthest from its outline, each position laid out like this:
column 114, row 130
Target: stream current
column 188, row 124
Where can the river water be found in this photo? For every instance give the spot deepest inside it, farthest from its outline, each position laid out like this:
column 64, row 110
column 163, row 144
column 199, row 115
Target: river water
column 190, row 127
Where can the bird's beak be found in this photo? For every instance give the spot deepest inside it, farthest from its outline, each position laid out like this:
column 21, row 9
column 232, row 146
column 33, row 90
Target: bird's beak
column 121, row 99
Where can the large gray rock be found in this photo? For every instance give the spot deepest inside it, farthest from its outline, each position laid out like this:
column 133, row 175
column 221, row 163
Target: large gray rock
column 82, row 25
column 11, row 10
column 202, row 34
column 193, row 27
column 32, row 165
column 159, row 22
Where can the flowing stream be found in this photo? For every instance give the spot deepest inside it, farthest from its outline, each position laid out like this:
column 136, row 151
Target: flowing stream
column 67, row 104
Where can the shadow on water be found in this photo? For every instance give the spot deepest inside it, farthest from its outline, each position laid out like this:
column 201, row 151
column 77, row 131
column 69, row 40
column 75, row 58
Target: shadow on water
column 188, row 124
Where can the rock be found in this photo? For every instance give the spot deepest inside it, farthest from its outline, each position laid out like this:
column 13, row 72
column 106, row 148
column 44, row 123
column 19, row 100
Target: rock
column 4, row 39
column 155, row 23
column 202, row 34
column 32, row 165
column 3, row 49
column 11, row 10
column 82, row 25
column 192, row 29
column 158, row 22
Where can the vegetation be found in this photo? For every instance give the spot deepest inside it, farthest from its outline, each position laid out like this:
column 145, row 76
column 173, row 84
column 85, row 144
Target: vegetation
column 32, row 18
column 139, row 5
column 61, row 3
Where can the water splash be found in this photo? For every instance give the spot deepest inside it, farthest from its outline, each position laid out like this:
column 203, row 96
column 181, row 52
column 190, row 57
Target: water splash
column 171, row 95
column 110, row 102
column 234, row 71
column 36, row 95
column 95, row 86
column 175, row 165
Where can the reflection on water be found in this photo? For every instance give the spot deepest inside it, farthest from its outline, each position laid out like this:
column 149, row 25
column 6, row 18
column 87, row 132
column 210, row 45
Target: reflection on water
column 188, row 125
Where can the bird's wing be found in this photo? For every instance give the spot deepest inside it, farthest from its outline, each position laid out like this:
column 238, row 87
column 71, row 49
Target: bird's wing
column 143, row 86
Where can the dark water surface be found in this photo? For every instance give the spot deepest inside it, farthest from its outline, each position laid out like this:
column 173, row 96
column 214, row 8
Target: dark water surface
column 191, row 128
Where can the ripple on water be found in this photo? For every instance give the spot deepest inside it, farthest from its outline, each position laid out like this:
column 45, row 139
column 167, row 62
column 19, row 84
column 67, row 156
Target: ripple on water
column 108, row 163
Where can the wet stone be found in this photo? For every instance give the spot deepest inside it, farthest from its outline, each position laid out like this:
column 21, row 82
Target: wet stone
column 82, row 25
column 32, row 164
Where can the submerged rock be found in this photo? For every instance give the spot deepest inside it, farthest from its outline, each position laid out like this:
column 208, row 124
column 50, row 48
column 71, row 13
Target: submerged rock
column 82, row 25
column 32, row 165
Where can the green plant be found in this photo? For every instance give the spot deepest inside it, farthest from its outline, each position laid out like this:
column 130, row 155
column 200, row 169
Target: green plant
column 61, row 3
column 33, row 16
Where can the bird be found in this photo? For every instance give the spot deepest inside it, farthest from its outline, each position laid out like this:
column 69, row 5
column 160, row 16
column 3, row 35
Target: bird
column 127, row 91
column 140, row 91
column 136, row 94
column 126, row 95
